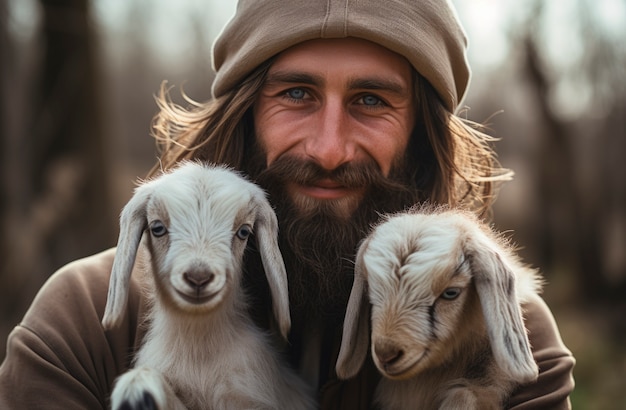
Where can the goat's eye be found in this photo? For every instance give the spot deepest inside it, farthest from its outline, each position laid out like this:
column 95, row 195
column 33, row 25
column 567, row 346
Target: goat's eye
column 451, row 293
column 244, row 231
column 157, row 228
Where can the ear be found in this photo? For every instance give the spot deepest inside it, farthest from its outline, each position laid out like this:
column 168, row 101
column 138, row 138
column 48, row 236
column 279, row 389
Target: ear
column 496, row 286
column 132, row 224
column 273, row 264
column 356, row 324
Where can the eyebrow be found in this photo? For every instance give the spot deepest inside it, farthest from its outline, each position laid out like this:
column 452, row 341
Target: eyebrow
column 296, row 77
column 376, row 83
column 366, row 83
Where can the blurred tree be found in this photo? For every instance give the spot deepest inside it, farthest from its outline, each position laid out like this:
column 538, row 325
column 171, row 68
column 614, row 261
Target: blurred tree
column 58, row 206
column 4, row 100
column 582, row 215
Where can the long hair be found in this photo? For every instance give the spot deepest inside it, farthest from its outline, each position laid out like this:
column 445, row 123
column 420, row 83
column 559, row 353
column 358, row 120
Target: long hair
column 455, row 163
column 217, row 131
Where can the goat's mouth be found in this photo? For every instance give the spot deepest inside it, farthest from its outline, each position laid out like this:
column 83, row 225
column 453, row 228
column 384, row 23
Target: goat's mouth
column 403, row 370
column 196, row 298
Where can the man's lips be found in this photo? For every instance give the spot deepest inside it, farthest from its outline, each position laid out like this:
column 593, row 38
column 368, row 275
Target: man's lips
column 323, row 189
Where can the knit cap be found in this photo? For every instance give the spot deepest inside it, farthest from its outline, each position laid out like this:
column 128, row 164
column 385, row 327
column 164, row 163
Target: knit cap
column 426, row 32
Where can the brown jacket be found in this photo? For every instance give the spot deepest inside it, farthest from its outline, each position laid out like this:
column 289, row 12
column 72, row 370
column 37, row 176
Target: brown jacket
column 59, row 357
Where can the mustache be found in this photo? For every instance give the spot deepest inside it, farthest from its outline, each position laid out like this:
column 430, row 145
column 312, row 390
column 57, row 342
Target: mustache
column 307, row 172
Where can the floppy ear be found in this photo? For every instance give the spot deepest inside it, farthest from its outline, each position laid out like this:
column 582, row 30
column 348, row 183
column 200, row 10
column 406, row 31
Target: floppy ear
column 496, row 286
column 356, row 324
column 132, row 224
column 273, row 264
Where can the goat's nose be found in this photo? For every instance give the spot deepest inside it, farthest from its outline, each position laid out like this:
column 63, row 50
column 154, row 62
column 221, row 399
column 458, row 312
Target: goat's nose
column 198, row 279
column 388, row 353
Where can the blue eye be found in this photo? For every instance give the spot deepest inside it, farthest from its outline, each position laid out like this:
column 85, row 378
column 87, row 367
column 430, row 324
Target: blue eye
column 157, row 228
column 296, row 93
column 371, row 100
column 244, row 231
column 451, row 293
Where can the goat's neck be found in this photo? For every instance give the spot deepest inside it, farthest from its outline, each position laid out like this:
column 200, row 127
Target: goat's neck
column 216, row 328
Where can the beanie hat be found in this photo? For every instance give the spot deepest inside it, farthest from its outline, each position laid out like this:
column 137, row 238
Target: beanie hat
column 426, row 32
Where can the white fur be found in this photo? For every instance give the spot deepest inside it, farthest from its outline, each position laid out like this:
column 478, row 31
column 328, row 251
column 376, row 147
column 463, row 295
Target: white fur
column 434, row 349
column 202, row 351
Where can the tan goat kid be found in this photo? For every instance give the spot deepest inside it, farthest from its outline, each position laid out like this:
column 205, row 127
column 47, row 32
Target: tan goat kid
column 447, row 330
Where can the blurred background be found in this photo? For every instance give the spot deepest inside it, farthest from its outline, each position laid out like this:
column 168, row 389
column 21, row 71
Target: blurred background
column 77, row 80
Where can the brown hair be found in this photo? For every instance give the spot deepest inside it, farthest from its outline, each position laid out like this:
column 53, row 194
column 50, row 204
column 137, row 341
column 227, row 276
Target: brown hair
column 460, row 167
column 455, row 163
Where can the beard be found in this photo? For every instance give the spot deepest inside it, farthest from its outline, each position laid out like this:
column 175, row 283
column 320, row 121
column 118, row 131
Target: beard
column 319, row 239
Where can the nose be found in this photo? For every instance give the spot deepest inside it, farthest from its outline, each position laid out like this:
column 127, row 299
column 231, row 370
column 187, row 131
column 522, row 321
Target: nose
column 198, row 279
column 330, row 145
column 387, row 353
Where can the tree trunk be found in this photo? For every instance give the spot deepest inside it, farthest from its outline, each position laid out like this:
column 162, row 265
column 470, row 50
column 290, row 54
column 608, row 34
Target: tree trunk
column 59, row 207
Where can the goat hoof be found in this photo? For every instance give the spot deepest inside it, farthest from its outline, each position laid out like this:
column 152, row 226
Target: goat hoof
column 147, row 403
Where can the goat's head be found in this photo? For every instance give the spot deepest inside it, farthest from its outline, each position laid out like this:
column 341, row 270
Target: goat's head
column 197, row 220
column 423, row 278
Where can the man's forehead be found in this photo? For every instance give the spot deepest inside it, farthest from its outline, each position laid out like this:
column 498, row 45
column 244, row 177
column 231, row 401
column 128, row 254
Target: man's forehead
column 339, row 47
column 359, row 63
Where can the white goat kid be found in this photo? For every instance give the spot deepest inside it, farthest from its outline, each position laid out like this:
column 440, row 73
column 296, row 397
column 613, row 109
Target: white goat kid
column 425, row 274
column 201, row 350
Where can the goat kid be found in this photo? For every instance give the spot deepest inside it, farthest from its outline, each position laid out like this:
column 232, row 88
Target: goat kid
column 202, row 351
column 447, row 329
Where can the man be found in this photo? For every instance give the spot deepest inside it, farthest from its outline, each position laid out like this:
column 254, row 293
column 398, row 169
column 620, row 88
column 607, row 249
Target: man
column 340, row 110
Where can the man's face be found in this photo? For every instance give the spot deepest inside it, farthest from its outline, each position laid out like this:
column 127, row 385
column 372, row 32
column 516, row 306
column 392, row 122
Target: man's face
column 335, row 103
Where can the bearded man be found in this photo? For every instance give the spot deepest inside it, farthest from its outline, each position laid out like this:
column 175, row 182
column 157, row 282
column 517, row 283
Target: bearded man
column 341, row 110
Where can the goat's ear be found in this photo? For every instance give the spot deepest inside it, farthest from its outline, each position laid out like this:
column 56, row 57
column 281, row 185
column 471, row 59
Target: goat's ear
column 273, row 263
column 356, row 324
column 132, row 224
column 496, row 286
